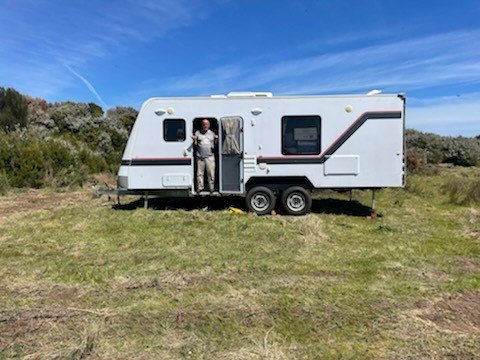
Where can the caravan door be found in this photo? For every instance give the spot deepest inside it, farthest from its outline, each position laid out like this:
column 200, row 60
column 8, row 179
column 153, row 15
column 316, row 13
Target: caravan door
column 231, row 155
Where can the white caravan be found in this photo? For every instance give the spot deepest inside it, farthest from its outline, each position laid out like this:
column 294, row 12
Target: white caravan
column 269, row 147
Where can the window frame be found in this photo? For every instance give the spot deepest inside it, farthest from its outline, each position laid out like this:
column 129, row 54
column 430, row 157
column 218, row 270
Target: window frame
column 184, row 130
column 319, row 147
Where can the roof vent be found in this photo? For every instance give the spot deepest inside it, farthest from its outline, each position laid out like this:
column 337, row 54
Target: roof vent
column 249, row 94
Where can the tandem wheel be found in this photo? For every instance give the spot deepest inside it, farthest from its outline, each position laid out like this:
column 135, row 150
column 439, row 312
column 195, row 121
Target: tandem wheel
column 260, row 200
column 296, row 200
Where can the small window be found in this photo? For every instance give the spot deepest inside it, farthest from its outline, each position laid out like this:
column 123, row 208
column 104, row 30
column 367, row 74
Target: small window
column 174, row 130
column 301, row 135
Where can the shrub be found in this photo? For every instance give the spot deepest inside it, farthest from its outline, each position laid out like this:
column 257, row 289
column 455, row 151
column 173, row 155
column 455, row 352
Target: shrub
column 94, row 164
column 13, row 110
column 28, row 169
column 414, row 161
column 126, row 116
column 95, row 110
column 444, row 149
column 4, row 184
column 70, row 117
column 56, row 156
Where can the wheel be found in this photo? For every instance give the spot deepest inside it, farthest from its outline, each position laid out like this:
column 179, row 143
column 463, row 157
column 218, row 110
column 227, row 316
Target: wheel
column 260, row 200
column 296, row 200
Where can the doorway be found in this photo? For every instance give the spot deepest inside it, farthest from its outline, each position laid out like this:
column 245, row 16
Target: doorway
column 197, row 125
column 231, row 154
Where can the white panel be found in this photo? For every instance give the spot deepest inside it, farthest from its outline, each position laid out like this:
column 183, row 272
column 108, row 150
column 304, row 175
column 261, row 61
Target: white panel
column 342, row 165
column 379, row 142
column 176, row 180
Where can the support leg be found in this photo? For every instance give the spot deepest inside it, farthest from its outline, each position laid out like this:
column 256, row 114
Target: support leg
column 351, row 194
column 118, row 199
column 145, row 201
column 372, row 209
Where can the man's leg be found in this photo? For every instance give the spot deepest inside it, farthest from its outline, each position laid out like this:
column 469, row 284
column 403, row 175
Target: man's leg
column 200, row 173
column 210, row 165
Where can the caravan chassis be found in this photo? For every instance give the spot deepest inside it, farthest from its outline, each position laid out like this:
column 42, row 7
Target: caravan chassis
column 146, row 194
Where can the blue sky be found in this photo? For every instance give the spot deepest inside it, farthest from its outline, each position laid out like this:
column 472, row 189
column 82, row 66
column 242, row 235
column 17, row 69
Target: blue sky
column 123, row 52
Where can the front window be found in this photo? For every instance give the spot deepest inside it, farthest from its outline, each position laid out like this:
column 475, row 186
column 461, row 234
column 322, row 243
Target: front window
column 301, row 135
column 174, row 130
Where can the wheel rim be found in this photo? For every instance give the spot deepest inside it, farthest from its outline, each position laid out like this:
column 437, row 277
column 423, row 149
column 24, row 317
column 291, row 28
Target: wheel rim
column 260, row 202
column 296, row 201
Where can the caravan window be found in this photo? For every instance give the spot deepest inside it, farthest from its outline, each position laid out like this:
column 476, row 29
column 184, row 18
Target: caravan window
column 301, row 135
column 174, row 130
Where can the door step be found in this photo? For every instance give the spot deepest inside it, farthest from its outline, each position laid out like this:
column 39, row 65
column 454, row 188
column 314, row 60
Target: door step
column 207, row 193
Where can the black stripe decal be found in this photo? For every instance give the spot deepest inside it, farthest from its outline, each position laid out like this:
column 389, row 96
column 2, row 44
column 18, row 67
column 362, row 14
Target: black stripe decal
column 336, row 145
column 156, row 162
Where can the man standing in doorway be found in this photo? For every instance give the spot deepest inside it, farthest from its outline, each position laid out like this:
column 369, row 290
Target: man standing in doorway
column 205, row 141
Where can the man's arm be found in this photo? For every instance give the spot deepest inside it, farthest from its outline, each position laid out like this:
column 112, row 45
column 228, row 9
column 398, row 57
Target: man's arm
column 215, row 138
column 195, row 137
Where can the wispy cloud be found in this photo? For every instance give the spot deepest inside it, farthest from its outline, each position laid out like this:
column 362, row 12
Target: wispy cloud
column 46, row 35
column 448, row 58
column 448, row 115
column 89, row 86
column 428, row 62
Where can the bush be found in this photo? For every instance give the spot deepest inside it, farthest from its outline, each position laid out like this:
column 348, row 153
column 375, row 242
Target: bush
column 125, row 115
column 437, row 149
column 13, row 110
column 28, row 169
column 4, row 184
column 414, row 161
column 94, row 164
column 463, row 190
column 95, row 110
column 70, row 117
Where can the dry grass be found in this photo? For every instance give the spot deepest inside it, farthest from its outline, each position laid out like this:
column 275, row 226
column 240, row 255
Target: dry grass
column 81, row 280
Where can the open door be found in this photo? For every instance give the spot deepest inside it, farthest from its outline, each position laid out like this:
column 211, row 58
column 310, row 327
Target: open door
column 231, row 155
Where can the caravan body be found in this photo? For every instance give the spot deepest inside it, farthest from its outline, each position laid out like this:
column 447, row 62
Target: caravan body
column 315, row 142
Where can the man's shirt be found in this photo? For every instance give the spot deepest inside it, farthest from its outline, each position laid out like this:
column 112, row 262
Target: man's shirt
column 205, row 143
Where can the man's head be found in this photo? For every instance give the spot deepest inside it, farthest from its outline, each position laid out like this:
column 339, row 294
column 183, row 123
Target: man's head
column 205, row 124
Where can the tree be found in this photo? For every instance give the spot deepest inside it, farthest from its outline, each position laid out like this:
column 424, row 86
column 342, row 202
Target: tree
column 13, row 110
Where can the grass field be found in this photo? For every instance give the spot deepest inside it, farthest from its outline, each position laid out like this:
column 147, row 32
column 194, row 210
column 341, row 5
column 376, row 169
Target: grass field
column 80, row 279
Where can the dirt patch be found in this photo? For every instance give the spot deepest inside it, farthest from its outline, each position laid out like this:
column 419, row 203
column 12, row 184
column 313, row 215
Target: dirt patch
column 36, row 200
column 25, row 324
column 459, row 313
column 33, row 328
column 466, row 265
column 63, row 294
column 179, row 280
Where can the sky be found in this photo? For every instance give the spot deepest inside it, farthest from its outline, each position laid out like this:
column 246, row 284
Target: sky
column 124, row 52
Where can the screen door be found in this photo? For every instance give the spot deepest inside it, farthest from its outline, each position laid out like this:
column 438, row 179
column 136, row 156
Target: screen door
column 231, row 154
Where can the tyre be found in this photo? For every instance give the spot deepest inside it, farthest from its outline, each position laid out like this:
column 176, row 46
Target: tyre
column 260, row 200
column 296, row 200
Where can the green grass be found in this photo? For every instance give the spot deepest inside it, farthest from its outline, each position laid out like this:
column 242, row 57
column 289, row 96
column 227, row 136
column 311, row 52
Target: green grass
column 88, row 280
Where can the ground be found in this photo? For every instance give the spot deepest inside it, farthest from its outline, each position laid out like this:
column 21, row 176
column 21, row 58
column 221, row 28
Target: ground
column 83, row 279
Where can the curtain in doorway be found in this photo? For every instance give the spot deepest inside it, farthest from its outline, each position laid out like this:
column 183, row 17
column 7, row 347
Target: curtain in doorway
column 231, row 136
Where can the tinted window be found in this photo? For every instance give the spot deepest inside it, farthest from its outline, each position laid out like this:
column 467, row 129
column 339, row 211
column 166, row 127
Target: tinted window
column 301, row 135
column 174, row 130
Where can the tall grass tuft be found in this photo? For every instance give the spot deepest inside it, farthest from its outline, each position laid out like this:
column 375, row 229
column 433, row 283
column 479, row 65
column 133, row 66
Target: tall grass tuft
column 463, row 190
